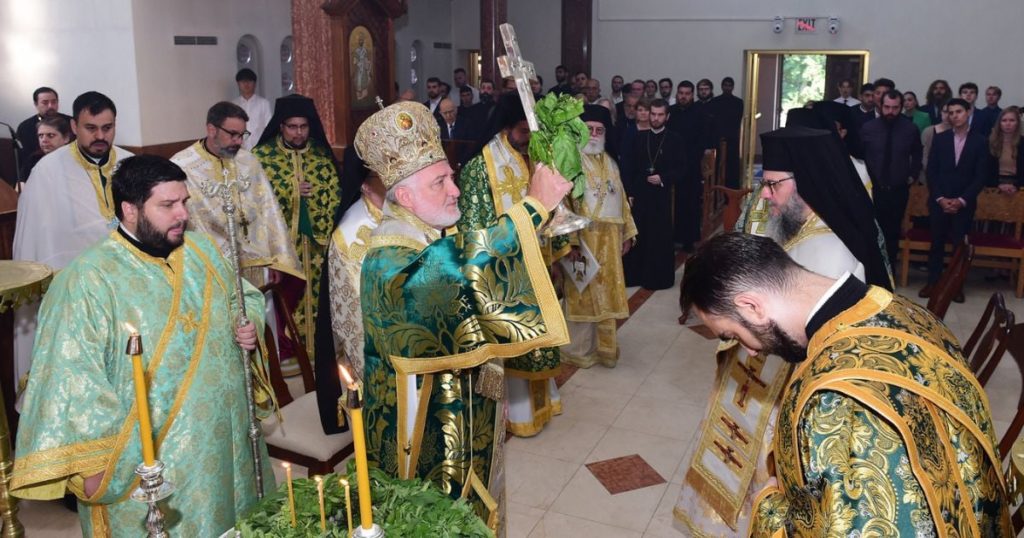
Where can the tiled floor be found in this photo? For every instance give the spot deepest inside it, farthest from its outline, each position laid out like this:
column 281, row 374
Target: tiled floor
column 651, row 405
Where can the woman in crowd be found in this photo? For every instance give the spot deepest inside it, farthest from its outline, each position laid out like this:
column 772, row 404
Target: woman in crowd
column 1006, row 152
column 53, row 132
column 926, row 139
column 911, row 111
column 643, row 114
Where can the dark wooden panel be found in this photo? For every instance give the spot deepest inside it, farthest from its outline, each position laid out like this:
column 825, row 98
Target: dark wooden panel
column 577, row 24
column 493, row 13
column 8, row 172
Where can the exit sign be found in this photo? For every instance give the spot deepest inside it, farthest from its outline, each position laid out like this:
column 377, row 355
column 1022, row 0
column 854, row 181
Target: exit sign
column 806, row 25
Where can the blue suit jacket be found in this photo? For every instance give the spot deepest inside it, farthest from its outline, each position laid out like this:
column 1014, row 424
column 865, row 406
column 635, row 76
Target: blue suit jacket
column 949, row 179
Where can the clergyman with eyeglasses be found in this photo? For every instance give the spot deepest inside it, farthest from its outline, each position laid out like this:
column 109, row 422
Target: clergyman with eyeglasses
column 219, row 161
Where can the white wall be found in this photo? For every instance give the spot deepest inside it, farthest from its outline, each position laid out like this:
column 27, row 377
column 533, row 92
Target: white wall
column 125, row 49
column 538, row 25
column 177, row 84
column 72, row 46
column 912, row 41
column 429, row 21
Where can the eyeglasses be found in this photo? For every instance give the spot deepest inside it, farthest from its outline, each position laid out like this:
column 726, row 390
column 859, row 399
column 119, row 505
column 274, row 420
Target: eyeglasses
column 244, row 135
column 771, row 184
column 596, row 131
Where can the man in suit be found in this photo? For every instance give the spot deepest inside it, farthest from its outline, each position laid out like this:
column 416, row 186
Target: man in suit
column 892, row 152
column 454, row 128
column 433, row 94
column 956, row 174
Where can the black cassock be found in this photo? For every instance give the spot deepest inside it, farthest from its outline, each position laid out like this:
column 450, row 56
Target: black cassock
column 692, row 126
column 651, row 262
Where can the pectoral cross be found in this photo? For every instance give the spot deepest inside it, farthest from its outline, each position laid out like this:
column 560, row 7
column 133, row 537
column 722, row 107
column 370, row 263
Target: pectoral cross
column 513, row 65
column 752, row 384
column 729, row 455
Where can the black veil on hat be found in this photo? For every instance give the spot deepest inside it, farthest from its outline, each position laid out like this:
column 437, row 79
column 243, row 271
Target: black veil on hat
column 328, row 380
column 602, row 115
column 294, row 106
column 827, row 180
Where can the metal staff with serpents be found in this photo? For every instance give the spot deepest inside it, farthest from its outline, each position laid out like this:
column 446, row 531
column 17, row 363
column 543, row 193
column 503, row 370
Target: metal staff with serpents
column 226, row 192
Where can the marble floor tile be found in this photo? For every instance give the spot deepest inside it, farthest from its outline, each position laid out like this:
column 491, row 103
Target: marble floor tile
column 522, row 519
column 562, row 439
column 585, row 497
column 535, row 481
column 661, row 525
column 625, row 473
column 662, row 417
column 661, row 453
column 555, row 525
column 591, row 405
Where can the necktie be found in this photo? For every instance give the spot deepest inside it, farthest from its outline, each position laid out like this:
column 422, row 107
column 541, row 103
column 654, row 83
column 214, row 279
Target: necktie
column 887, row 157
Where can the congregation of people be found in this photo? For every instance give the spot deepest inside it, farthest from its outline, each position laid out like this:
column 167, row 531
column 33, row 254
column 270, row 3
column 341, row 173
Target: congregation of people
column 419, row 262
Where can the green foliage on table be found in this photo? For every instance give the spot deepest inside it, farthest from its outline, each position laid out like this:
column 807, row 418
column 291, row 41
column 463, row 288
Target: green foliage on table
column 562, row 134
column 403, row 508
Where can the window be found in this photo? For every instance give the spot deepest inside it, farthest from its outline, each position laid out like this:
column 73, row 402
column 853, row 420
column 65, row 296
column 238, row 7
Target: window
column 247, row 54
column 287, row 66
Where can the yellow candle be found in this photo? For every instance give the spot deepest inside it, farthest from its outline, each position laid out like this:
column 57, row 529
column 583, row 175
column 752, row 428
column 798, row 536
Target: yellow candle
column 362, row 469
column 291, row 493
column 348, row 503
column 320, row 494
column 141, row 402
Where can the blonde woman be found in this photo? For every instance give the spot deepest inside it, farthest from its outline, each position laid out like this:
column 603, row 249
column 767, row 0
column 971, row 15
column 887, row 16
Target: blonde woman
column 1006, row 152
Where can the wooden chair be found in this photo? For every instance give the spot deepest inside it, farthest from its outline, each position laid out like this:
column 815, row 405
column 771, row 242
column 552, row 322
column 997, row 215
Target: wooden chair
column 988, row 342
column 298, row 437
column 733, row 205
column 1010, row 337
column 1000, row 250
column 951, row 282
column 914, row 242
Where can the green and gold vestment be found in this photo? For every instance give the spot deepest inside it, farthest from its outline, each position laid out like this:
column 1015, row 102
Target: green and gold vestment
column 491, row 183
column 310, row 219
column 80, row 419
column 884, row 431
column 434, row 311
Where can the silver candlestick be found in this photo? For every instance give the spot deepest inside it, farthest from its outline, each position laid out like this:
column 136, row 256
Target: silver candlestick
column 153, row 489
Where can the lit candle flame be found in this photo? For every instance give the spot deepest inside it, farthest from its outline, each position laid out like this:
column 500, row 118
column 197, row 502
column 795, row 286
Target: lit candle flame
column 348, row 378
column 130, row 328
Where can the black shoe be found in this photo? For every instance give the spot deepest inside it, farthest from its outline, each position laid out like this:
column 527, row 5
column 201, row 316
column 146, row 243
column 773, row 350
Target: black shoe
column 926, row 291
column 959, row 298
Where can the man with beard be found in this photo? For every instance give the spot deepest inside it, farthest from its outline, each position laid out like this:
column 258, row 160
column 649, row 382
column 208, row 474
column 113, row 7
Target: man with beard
column 691, row 124
column 935, row 100
column 78, row 430
column 665, row 91
column 617, row 84
column 67, row 206
column 705, row 91
column 440, row 312
column 47, row 104
column 433, row 94
column 831, row 239
column 657, row 164
column 266, row 250
column 882, row 428
column 297, row 158
column 892, row 152
column 493, row 183
column 562, row 83
column 592, row 312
